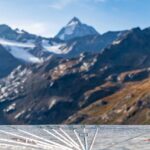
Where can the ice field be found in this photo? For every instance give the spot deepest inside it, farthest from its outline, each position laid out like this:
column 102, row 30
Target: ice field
column 74, row 137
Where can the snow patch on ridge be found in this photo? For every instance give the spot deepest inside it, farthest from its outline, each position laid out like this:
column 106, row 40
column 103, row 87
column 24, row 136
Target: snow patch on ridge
column 23, row 54
column 20, row 50
column 17, row 44
column 55, row 48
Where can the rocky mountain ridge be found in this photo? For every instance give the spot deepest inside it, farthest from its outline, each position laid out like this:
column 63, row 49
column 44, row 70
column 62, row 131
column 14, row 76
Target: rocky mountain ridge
column 107, row 85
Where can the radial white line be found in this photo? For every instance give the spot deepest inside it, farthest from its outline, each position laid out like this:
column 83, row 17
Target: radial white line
column 68, row 136
column 58, row 138
column 62, row 136
column 49, row 141
column 86, row 142
column 67, row 140
column 64, row 140
column 83, row 148
column 94, row 139
column 16, row 135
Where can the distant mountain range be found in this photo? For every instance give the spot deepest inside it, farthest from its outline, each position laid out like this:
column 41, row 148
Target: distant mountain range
column 79, row 76
column 28, row 48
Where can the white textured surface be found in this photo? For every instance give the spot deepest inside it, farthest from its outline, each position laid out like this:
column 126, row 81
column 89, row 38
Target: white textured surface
column 74, row 137
column 23, row 54
column 16, row 44
column 20, row 50
column 56, row 48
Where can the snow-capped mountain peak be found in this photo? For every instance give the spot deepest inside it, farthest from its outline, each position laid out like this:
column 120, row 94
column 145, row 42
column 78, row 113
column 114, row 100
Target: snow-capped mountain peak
column 74, row 21
column 75, row 29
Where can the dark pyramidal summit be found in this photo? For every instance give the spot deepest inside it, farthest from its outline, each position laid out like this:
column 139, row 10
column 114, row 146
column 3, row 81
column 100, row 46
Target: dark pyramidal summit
column 74, row 29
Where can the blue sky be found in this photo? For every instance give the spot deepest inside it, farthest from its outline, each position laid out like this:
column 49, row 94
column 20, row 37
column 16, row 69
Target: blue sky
column 46, row 17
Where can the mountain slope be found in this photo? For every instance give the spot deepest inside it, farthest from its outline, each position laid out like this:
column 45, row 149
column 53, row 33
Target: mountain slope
column 8, row 33
column 53, row 92
column 20, row 44
column 92, row 44
column 7, row 62
column 131, row 105
column 94, row 73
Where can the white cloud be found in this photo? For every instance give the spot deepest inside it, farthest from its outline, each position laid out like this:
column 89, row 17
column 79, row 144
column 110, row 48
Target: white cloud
column 60, row 4
column 100, row 1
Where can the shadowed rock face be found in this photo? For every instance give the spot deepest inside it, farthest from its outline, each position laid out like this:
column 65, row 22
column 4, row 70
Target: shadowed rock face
column 7, row 62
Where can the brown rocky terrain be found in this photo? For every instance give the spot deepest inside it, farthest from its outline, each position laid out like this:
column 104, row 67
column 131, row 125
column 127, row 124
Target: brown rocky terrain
column 129, row 105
